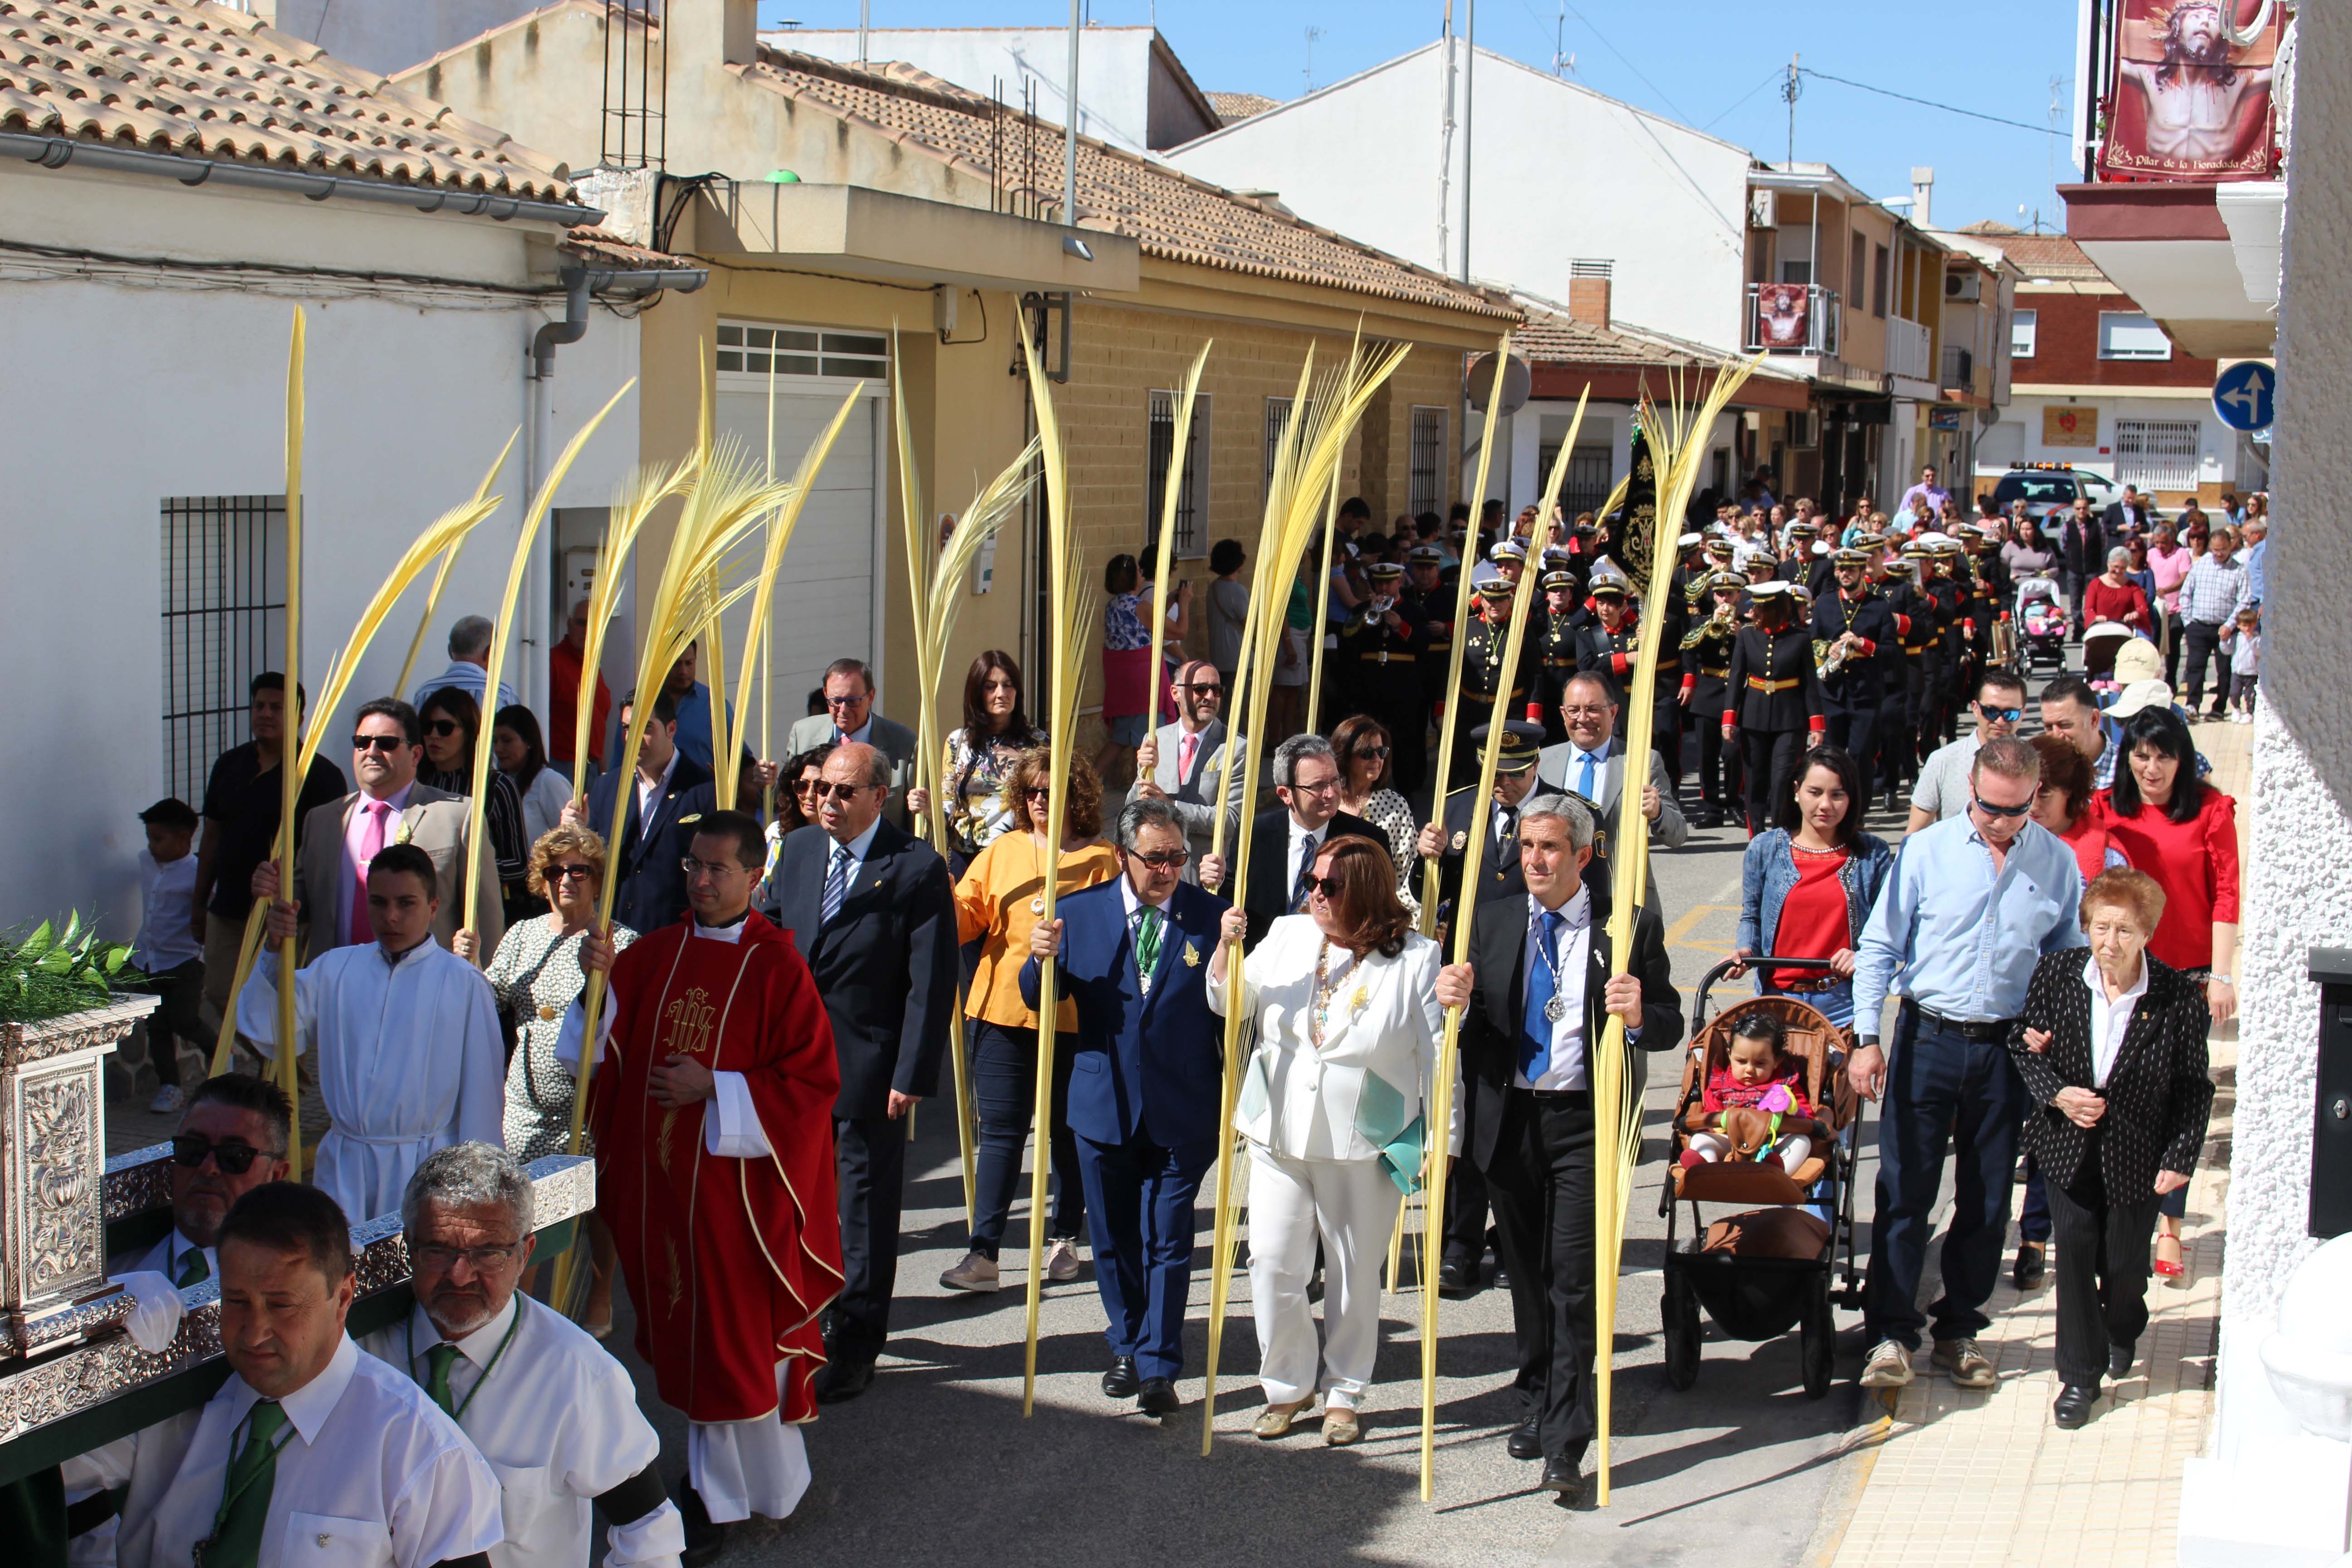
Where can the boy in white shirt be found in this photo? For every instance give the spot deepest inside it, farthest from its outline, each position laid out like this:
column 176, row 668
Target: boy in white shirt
column 2243, row 643
column 167, row 949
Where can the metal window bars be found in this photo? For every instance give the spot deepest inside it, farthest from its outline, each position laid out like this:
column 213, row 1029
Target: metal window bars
column 224, row 573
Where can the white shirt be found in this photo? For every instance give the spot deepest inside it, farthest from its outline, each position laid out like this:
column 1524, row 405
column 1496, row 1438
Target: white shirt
column 1575, row 773
column 559, row 1423
column 543, row 804
column 862, row 735
column 169, row 1256
column 1298, row 853
column 858, row 847
column 647, row 790
column 2110, row 1020
column 372, row 1474
column 410, row 1054
column 167, row 902
column 1574, row 944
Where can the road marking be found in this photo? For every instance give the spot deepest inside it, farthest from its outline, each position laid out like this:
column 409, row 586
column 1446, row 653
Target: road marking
column 1691, row 917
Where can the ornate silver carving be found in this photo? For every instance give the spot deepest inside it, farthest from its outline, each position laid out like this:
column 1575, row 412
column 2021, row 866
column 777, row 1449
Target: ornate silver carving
column 22, row 1045
column 138, row 1181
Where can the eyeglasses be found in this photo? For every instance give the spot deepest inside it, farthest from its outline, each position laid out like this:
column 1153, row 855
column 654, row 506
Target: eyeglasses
column 1990, row 810
column 233, row 1155
column 387, row 745
column 1320, row 786
column 441, row 1259
column 848, row 701
column 2006, row 715
column 714, row 870
column 1373, row 754
column 1326, row 886
column 1171, row 862
column 441, row 727
column 570, row 873
column 827, row 789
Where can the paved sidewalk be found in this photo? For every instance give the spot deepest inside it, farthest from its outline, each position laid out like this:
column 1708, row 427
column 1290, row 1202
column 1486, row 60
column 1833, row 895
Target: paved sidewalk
column 1948, row 1478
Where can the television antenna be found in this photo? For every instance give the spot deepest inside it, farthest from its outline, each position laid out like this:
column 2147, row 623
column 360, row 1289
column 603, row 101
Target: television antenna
column 1312, row 34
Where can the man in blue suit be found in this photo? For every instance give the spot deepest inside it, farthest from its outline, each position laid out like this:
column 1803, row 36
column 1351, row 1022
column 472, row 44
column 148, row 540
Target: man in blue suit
column 1144, row 1087
column 651, row 857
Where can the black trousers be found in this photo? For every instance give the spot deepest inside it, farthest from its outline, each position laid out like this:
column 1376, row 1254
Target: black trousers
column 1718, row 784
column 1393, row 695
column 869, row 1157
column 1770, row 757
column 2101, row 1268
column 1466, row 1212
column 1540, row 1183
column 1666, row 734
column 1892, row 767
column 2201, row 641
column 1853, row 725
column 182, row 987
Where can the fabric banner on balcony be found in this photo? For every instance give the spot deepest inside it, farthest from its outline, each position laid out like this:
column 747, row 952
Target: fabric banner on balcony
column 2192, row 90
column 1784, row 315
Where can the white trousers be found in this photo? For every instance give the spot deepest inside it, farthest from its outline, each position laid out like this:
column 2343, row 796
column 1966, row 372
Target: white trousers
column 743, row 1468
column 1351, row 1205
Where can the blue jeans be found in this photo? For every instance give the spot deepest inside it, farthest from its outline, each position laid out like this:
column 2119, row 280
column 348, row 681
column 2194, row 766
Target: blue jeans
column 1005, row 1091
column 1937, row 1080
column 1836, row 1004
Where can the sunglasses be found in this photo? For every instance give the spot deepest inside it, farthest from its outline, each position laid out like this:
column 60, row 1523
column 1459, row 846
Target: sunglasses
column 441, row 727
column 1168, row 862
column 846, row 701
column 234, row 1156
column 2000, row 810
column 1326, row 886
column 1210, row 687
column 571, row 873
column 1037, row 792
column 387, row 745
column 826, row 789
column 1373, row 754
column 2009, row 715
column 802, row 786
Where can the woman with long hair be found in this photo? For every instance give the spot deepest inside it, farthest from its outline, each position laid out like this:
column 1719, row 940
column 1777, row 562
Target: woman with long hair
column 2062, row 803
column 1367, row 755
column 980, row 756
column 453, row 727
column 2183, row 832
column 517, row 750
column 1334, row 1103
column 1807, row 884
column 999, row 900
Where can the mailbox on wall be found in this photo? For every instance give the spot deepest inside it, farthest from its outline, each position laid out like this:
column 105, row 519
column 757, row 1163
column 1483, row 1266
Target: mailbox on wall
column 2331, row 1132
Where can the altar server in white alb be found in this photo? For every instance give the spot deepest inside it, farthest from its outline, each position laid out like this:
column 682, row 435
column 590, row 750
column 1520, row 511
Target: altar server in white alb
column 311, row 1453
column 552, row 1412
column 410, row 1055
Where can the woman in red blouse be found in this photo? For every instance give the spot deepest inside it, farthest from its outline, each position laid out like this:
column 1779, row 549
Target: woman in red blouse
column 2114, row 596
column 2062, row 803
column 2183, row 832
column 1808, row 882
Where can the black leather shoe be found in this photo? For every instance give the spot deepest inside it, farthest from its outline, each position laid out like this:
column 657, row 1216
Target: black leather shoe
column 2119, row 1360
column 1562, row 1474
column 1159, row 1397
column 704, row 1540
column 1524, row 1443
column 2073, row 1407
column 840, row 1380
column 1457, row 1281
column 2032, row 1261
column 1120, row 1381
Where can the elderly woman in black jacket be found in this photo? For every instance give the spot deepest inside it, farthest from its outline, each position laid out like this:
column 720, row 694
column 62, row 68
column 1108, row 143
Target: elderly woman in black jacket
column 2111, row 1050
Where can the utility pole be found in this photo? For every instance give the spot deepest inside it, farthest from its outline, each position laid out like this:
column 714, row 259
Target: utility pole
column 1789, row 89
column 1445, row 146
column 1070, row 129
column 1312, row 34
column 865, row 15
column 1560, row 62
column 1469, row 120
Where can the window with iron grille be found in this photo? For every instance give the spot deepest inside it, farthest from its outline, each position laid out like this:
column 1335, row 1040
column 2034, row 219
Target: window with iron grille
column 1277, row 421
column 1192, row 541
column 2157, row 453
column 751, row 348
column 224, row 574
column 1429, row 431
column 1587, row 482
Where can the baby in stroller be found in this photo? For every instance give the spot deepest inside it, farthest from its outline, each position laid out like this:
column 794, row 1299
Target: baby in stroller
column 1754, row 1105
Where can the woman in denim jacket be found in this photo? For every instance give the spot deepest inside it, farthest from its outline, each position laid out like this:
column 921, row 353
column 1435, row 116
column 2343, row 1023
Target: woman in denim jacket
column 1808, row 883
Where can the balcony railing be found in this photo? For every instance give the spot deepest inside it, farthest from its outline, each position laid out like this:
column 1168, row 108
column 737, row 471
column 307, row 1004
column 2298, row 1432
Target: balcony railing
column 1959, row 369
column 1910, row 351
column 1792, row 318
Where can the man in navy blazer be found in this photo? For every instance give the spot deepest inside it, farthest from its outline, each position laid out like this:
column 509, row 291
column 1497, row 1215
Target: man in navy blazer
column 884, row 957
column 651, row 857
column 1145, row 1088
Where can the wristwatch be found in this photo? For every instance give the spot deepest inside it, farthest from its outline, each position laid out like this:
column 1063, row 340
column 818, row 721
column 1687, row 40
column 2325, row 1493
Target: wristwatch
column 2224, row 979
column 1866, row 1043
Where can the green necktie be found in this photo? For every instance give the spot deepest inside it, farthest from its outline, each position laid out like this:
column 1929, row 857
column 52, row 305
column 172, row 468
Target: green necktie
column 1147, row 942
column 245, row 1491
column 440, row 1358
column 193, row 1270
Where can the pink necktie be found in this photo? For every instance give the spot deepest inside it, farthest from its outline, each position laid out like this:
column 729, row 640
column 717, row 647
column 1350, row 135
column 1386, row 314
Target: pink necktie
column 370, row 845
column 1184, row 750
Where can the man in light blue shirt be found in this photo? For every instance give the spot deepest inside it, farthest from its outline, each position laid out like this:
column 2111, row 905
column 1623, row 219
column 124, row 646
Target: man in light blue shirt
column 2257, row 532
column 1973, row 903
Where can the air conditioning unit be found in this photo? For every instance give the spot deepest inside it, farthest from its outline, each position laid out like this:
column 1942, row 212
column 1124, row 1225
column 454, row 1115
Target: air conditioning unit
column 1963, row 285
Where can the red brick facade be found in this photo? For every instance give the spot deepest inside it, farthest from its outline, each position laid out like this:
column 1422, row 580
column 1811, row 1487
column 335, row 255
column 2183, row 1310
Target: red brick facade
column 2066, row 348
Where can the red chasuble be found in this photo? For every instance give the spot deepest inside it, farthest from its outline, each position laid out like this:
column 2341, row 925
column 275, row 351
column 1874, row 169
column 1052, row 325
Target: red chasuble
column 727, row 1261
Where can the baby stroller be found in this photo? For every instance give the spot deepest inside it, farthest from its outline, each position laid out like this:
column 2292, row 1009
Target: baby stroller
column 2042, row 623
column 1771, row 1267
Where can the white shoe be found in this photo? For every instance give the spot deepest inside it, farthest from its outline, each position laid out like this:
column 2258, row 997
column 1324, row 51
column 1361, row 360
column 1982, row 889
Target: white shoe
column 1889, row 1365
column 168, row 1101
column 1062, row 1258
column 974, row 1273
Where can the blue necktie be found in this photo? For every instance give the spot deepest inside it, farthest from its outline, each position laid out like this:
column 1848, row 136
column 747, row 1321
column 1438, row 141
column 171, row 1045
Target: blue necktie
column 1306, row 868
column 1584, row 779
column 836, row 885
column 1535, row 1027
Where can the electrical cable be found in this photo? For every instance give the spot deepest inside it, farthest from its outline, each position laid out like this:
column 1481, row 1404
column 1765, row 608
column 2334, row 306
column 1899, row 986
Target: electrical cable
column 1929, row 103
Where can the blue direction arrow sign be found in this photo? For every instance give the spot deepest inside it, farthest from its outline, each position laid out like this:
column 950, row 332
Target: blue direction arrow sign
column 2242, row 395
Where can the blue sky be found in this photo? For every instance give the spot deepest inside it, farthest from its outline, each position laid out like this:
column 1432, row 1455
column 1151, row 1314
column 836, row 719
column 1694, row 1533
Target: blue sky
column 1707, row 63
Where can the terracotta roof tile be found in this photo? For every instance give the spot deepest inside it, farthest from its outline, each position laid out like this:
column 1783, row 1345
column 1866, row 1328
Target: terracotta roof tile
column 1551, row 337
column 1236, row 106
column 1174, row 216
column 200, row 80
column 2051, row 256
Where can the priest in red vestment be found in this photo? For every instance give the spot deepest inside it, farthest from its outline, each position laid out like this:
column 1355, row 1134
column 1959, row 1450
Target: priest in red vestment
column 711, row 1108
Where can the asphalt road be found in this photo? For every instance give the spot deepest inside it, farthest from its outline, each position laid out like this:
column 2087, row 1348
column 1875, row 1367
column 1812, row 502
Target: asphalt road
column 935, row 1462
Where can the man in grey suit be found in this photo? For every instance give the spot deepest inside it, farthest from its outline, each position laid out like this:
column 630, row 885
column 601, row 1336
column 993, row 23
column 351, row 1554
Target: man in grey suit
column 1184, row 762
column 1591, row 763
column 389, row 808
column 849, row 716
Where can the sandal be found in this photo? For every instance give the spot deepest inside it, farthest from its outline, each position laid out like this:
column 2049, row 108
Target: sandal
column 1340, row 1426
column 1275, row 1421
column 2170, row 1269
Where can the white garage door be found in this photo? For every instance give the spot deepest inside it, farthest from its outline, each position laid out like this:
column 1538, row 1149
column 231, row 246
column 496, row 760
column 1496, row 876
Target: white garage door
column 826, row 605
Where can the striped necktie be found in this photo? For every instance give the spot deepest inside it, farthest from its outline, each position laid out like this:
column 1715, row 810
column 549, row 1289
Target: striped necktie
column 836, row 885
column 1306, row 870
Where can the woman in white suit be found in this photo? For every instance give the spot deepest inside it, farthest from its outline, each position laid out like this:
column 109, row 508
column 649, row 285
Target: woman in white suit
column 1332, row 1102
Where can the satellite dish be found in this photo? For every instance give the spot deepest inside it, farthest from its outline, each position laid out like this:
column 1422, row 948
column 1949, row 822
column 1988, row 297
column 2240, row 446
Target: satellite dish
column 1480, row 380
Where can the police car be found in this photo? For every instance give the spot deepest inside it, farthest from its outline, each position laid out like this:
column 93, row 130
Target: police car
column 2048, row 489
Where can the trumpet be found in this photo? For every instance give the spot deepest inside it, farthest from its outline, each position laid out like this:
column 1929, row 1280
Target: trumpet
column 1830, row 654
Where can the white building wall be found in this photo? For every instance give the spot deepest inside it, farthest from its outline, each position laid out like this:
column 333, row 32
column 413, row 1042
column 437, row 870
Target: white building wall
column 387, row 35
column 2017, row 438
column 167, row 386
column 1563, row 174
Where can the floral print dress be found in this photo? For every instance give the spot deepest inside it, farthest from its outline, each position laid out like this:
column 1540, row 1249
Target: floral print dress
column 536, row 976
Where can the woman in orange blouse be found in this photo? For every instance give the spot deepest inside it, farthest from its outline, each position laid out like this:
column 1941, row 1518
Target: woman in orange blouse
column 998, row 904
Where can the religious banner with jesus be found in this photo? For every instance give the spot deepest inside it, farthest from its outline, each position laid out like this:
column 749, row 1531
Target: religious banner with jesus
column 2190, row 93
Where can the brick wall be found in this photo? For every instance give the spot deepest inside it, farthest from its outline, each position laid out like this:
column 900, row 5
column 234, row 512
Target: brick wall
column 2066, row 348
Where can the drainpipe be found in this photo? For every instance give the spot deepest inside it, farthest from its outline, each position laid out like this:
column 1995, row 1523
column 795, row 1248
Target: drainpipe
column 581, row 284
